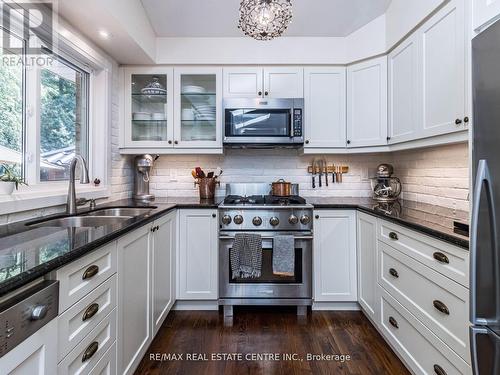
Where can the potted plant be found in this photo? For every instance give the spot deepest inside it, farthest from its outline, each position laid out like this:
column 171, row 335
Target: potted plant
column 10, row 178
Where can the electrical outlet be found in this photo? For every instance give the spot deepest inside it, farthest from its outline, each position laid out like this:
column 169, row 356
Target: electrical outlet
column 365, row 176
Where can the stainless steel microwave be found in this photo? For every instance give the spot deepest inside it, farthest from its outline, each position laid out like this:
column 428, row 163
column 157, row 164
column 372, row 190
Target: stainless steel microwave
column 263, row 122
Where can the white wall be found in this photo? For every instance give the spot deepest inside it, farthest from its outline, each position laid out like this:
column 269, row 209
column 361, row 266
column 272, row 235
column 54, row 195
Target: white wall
column 367, row 41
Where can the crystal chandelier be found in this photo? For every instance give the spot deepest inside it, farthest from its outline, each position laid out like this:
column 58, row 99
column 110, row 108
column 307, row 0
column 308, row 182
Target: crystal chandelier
column 265, row 19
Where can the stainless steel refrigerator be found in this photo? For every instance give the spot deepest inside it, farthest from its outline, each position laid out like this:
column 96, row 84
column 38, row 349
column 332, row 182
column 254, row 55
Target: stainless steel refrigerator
column 484, row 240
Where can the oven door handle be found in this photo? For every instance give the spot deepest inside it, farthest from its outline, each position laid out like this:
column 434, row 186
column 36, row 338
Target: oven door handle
column 223, row 237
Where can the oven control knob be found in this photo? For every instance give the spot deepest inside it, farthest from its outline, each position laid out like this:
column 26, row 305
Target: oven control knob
column 257, row 221
column 226, row 219
column 238, row 219
column 274, row 221
column 293, row 219
column 305, row 219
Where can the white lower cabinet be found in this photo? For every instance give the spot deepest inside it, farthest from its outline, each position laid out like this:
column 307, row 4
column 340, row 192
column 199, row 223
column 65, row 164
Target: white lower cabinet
column 197, row 252
column 134, row 298
column 163, row 273
column 424, row 304
column 367, row 265
column 35, row 355
column 334, row 261
column 86, row 355
column 145, row 288
column 421, row 349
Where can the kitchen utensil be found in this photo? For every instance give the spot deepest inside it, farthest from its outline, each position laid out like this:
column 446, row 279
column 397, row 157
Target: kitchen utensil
column 141, row 116
column 210, row 175
column 326, row 171
column 281, row 188
column 218, row 171
column 199, row 172
column 314, row 174
column 320, row 164
column 193, row 173
column 339, row 176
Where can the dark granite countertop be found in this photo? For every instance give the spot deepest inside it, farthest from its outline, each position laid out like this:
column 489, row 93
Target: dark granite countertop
column 27, row 253
column 432, row 220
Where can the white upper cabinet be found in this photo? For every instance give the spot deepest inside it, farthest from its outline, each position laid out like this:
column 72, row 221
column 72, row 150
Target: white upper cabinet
column 283, row 82
column 485, row 12
column 198, row 255
column 334, row 270
column 198, row 106
column 242, row 82
column 443, row 70
column 427, row 91
column 403, row 99
column 325, row 107
column 367, row 103
column 148, row 107
column 258, row 82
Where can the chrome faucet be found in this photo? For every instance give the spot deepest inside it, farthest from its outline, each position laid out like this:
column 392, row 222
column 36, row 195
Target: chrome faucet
column 84, row 179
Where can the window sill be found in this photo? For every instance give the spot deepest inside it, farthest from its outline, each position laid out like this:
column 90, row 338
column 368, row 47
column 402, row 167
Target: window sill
column 43, row 196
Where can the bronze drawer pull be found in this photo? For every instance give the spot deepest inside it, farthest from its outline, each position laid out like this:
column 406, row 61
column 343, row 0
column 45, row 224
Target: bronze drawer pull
column 393, row 322
column 90, row 272
column 441, row 258
column 441, row 307
column 439, row 370
column 90, row 311
column 90, row 351
column 393, row 236
column 394, row 273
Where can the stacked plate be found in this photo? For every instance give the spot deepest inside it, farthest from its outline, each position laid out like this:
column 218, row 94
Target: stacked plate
column 204, row 112
column 192, row 89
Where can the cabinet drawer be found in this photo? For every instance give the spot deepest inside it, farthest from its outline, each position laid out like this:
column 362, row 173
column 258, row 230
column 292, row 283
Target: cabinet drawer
column 438, row 302
column 85, row 274
column 446, row 259
column 84, row 357
column 107, row 364
column 81, row 318
column 420, row 348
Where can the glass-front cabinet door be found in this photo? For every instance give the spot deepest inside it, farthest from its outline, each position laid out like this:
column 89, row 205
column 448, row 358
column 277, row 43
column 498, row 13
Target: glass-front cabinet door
column 197, row 107
column 149, row 107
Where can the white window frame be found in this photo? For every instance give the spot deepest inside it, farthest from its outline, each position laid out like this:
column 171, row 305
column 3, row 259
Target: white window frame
column 74, row 48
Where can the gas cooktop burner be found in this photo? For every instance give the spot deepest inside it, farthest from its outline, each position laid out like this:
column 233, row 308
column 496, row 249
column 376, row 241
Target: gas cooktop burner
column 264, row 200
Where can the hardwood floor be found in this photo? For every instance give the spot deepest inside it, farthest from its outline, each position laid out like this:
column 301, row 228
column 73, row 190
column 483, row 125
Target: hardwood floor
column 270, row 330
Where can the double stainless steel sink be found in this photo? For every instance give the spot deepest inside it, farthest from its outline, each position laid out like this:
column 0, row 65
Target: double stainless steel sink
column 96, row 218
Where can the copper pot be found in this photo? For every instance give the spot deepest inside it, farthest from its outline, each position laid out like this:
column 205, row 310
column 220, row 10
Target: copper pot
column 281, row 188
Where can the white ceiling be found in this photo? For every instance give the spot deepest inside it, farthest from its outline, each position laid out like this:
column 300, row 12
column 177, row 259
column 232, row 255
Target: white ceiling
column 218, row 18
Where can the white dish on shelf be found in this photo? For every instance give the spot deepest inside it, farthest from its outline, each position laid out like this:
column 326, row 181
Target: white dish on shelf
column 153, row 91
column 158, row 116
column 141, row 116
column 192, row 89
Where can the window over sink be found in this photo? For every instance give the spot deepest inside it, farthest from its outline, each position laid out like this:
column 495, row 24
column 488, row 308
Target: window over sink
column 44, row 113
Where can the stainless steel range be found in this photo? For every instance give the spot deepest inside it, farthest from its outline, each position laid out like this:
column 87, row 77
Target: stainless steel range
column 248, row 208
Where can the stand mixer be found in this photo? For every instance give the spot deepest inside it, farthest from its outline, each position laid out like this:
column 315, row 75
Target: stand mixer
column 143, row 164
